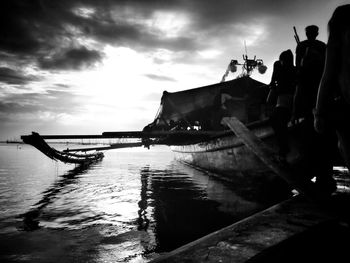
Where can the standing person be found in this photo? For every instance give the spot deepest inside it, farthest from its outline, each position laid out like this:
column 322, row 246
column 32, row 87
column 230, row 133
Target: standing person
column 283, row 82
column 333, row 100
column 309, row 61
column 310, row 58
column 310, row 44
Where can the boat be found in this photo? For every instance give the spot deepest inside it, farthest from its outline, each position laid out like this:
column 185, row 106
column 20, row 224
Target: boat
column 200, row 126
column 222, row 152
column 202, row 109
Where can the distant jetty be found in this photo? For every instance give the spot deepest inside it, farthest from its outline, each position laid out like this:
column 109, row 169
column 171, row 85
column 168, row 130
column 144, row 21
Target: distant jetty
column 12, row 141
column 58, row 142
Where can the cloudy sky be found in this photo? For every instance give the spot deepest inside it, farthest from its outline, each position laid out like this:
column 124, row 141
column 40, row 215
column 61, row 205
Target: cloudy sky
column 84, row 67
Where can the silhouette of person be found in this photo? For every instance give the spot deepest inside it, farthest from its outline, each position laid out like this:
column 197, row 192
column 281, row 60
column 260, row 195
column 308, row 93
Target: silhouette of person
column 283, row 82
column 310, row 57
column 309, row 61
column 333, row 100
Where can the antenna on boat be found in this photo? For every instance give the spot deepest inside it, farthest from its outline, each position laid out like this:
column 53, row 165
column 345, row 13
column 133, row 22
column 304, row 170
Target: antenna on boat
column 245, row 47
column 247, row 66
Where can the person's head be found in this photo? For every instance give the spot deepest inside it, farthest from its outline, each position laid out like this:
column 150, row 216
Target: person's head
column 339, row 21
column 311, row 32
column 286, row 58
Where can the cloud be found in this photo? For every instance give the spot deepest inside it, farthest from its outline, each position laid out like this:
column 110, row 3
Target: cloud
column 14, row 77
column 159, row 77
column 40, row 28
column 52, row 101
column 72, row 59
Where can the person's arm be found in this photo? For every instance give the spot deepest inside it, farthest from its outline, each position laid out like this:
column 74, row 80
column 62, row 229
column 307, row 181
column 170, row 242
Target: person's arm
column 297, row 56
column 272, row 95
column 299, row 53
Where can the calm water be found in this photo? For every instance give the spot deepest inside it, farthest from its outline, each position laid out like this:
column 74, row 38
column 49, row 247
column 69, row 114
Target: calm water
column 130, row 207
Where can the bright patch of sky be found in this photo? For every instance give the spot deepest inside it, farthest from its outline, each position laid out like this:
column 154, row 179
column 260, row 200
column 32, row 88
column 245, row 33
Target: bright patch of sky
column 85, row 12
column 209, row 53
column 168, row 24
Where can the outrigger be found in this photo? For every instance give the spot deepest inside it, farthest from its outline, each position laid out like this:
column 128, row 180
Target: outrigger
column 90, row 154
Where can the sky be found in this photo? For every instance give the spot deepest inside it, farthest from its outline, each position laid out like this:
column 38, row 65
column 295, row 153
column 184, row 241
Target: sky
column 85, row 67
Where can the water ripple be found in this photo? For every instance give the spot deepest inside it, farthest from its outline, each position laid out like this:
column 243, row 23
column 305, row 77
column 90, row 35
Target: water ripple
column 133, row 205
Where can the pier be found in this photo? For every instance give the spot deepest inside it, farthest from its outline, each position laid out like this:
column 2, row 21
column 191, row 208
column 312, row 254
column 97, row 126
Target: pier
column 296, row 229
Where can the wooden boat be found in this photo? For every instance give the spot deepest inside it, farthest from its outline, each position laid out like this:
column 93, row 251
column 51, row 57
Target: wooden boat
column 178, row 118
column 204, row 108
column 190, row 122
column 224, row 153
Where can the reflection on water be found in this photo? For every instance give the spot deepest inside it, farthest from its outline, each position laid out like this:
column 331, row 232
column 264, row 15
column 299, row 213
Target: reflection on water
column 129, row 207
column 31, row 218
column 182, row 204
column 179, row 207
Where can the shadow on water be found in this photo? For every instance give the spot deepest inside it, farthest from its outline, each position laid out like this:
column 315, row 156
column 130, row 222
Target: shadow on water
column 30, row 220
column 180, row 205
column 176, row 209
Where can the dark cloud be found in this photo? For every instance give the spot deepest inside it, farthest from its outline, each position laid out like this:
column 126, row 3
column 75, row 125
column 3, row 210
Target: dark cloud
column 15, row 16
column 40, row 28
column 61, row 86
column 14, row 77
column 159, row 77
column 23, row 113
column 52, row 101
column 16, row 107
column 110, row 27
column 73, row 59
column 49, row 31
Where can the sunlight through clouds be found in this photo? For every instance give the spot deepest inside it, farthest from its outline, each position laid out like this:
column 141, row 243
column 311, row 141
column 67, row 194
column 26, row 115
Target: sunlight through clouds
column 117, row 78
column 108, row 91
column 209, row 53
column 251, row 33
column 168, row 24
column 85, row 12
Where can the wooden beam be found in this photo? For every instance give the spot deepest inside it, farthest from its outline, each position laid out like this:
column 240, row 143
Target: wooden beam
column 130, row 134
column 155, row 134
column 269, row 158
column 101, row 148
column 68, row 137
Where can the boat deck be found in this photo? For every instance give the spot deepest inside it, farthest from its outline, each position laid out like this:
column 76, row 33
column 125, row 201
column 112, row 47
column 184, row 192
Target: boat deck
column 295, row 229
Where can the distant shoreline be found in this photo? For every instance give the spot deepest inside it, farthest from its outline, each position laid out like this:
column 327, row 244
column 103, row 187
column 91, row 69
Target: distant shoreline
column 14, row 142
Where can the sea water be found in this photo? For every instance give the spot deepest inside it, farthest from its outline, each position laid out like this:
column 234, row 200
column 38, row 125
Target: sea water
column 132, row 206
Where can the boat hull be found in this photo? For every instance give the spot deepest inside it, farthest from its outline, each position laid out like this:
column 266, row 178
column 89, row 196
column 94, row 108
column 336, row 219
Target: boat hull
column 228, row 158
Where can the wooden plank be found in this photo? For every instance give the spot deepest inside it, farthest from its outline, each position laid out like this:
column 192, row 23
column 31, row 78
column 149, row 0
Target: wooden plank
column 154, row 134
column 67, row 137
column 104, row 148
column 130, row 134
column 269, row 158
